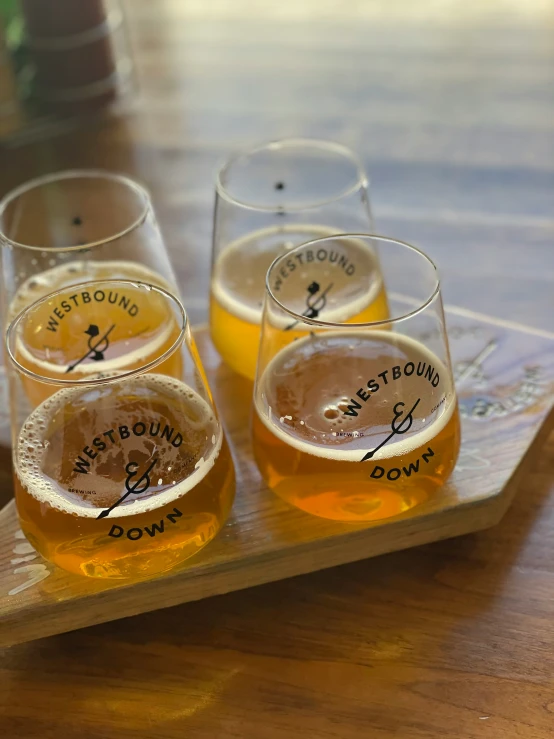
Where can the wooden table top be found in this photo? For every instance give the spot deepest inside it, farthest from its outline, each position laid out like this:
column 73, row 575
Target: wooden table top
column 452, row 107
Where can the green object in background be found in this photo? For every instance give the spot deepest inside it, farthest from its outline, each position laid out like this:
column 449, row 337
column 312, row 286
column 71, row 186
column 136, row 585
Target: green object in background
column 13, row 23
column 14, row 27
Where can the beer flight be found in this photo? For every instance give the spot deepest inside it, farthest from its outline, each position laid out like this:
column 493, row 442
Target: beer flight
column 121, row 465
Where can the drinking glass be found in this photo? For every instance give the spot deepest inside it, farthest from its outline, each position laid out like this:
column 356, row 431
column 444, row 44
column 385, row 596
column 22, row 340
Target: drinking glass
column 73, row 226
column 354, row 421
column 269, row 200
column 121, row 468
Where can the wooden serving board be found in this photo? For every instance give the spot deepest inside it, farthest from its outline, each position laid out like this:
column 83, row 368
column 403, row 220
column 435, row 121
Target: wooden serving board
column 505, row 380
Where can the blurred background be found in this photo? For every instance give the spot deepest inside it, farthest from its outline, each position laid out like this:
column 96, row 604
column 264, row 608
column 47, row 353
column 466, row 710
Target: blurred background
column 450, row 103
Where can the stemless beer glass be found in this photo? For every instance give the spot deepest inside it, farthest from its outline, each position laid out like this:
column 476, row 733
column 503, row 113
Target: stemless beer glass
column 121, row 467
column 72, row 226
column 354, row 421
column 269, row 200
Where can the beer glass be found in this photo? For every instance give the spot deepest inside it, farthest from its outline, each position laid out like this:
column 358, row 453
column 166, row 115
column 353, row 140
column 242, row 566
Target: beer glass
column 122, row 470
column 269, row 200
column 354, row 421
column 73, row 226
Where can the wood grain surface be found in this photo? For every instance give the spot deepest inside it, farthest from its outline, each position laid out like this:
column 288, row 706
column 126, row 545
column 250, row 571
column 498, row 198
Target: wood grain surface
column 505, row 396
column 452, row 107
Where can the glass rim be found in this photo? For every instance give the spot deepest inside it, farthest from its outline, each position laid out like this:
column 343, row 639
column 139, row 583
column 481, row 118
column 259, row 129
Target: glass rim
column 70, row 174
column 342, row 324
column 321, row 144
column 11, row 336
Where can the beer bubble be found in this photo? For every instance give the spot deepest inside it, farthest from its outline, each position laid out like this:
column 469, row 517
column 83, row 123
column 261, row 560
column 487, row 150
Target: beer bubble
column 180, row 398
column 328, row 398
column 64, row 275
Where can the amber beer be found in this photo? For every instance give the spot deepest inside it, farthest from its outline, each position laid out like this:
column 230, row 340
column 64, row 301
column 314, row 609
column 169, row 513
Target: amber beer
column 238, row 287
column 81, row 331
column 356, row 426
column 125, row 480
column 76, row 271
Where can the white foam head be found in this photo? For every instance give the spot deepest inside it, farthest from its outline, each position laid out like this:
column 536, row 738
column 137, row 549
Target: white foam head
column 147, row 352
column 71, row 273
column 248, row 307
column 31, row 449
column 65, row 275
column 275, row 423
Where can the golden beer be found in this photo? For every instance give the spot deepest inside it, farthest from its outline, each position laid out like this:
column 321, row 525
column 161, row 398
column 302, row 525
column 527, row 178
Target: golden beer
column 355, row 426
column 123, row 480
column 76, row 271
column 83, row 331
column 238, row 287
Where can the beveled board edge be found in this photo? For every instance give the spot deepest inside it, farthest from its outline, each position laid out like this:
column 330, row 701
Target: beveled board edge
column 213, row 578
column 96, row 608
